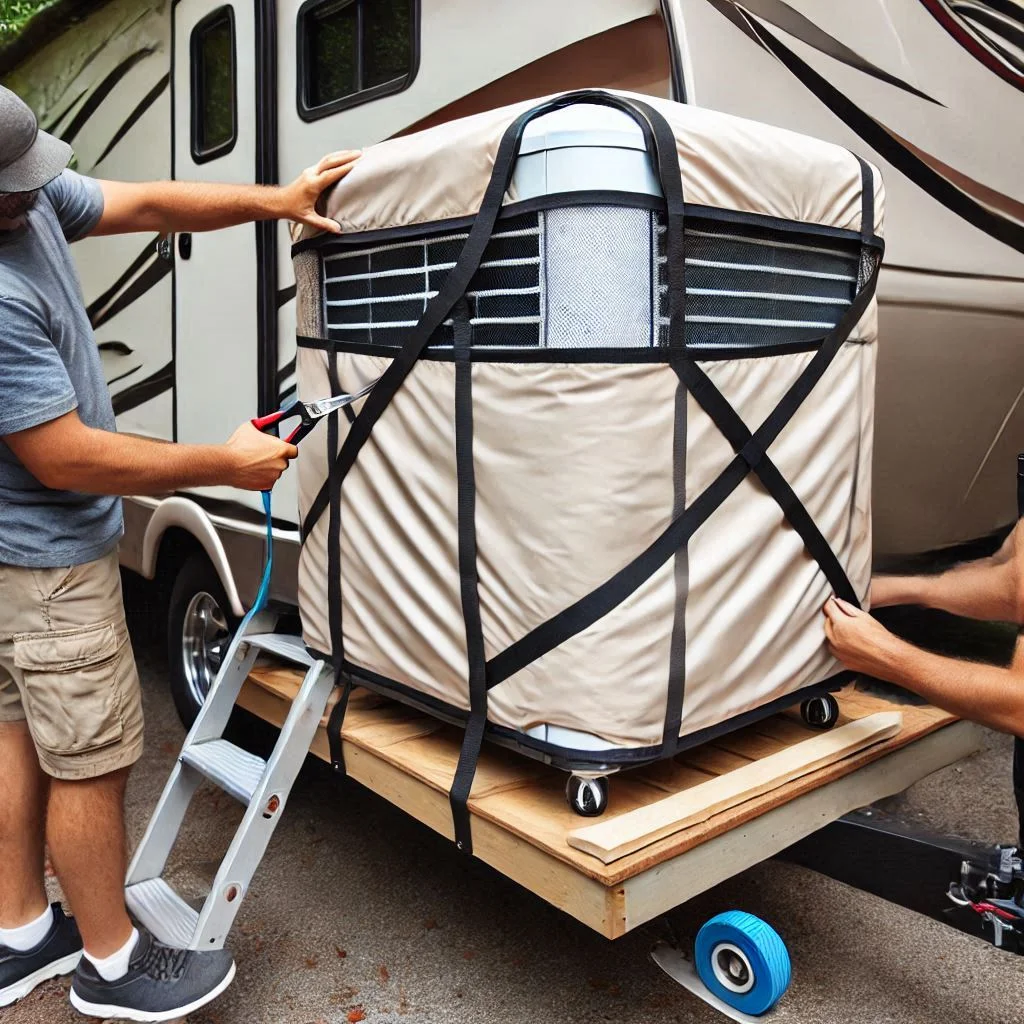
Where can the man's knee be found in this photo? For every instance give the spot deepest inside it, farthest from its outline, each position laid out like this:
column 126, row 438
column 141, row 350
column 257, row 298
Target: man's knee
column 111, row 784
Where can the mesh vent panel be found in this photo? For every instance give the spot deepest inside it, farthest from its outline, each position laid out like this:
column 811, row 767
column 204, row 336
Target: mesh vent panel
column 598, row 278
column 595, row 277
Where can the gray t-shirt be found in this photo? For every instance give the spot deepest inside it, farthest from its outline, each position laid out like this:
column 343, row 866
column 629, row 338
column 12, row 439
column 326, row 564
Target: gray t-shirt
column 49, row 365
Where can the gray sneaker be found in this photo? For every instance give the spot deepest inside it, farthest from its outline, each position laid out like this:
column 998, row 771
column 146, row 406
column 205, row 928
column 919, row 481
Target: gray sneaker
column 162, row 983
column 57, row 954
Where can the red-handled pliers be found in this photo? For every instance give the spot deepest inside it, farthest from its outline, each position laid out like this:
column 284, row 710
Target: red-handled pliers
column 309, row 413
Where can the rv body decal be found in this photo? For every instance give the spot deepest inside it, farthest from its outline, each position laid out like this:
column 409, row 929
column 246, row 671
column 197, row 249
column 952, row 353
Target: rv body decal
column 991, row 30
column 103, row 86
column 985, row 208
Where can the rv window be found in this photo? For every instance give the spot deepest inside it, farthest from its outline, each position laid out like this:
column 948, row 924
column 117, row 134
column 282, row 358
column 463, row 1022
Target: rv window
column 353, row 51
column 214, row 106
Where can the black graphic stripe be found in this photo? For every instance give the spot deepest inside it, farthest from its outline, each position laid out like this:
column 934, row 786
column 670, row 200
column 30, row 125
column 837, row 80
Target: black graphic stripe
column 150, row 277
column 145, row 390
column 285, row 295
column 119, row 348
column 135, row 116
column 51, row 126
column 122, row 376
column 102, row 91
column 283, row 374
column 791, row 21
column 97, row 305
column 875, row 135
column 966, row 37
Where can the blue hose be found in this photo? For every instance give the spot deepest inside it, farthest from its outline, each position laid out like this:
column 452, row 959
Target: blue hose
column 268, row 567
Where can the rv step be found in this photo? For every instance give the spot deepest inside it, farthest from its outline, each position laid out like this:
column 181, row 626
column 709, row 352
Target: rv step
column 261, row 786
column 162, row 912
column 236, row 771
column 284, row 645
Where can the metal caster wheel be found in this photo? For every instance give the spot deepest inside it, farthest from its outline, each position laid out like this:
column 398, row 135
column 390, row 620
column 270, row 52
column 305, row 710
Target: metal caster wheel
column 820, row 712
column 743, row 961
column 587, row 797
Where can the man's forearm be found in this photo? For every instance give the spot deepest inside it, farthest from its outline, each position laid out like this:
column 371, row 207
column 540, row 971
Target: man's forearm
column 170, row 206
column 107, row 463
column 987, row 694
column 984, row 589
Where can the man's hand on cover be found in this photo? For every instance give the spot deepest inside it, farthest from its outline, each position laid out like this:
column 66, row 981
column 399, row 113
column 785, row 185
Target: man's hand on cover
column 859, row 640
column 300, row 198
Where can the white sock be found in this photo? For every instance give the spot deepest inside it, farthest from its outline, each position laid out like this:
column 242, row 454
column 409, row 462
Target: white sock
column 28, row 936
column 116, row 965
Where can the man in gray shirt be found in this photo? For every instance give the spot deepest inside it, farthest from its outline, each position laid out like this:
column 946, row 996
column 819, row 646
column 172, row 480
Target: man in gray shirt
column 70, row 707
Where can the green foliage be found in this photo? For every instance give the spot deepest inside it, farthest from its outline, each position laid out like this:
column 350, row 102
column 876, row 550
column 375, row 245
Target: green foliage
column 16, row 14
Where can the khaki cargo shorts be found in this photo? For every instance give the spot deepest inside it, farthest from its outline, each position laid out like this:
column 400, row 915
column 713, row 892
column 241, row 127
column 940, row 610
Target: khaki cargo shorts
column 67, row 668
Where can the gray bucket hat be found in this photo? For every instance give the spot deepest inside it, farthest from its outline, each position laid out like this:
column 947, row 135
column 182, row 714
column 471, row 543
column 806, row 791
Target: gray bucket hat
column 29, row 158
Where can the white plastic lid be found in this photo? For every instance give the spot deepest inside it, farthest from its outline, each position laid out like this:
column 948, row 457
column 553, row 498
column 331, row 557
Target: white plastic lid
column 582, row 124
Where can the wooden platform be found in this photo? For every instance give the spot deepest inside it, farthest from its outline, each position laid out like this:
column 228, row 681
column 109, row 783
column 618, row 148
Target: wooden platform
column 522, row 823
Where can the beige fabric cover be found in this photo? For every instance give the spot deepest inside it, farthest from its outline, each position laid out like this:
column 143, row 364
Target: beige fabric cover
column 574, row 476
column 726, row 162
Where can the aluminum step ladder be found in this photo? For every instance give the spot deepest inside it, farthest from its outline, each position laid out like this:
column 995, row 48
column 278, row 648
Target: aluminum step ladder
column 261, row 786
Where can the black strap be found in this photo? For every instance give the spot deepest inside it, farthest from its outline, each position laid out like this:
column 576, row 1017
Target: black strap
column 867, row 202
column 598, row 603
column 334, row 606
column 676, row 689
column 736, row 432
column 472, row 742
column 657, row 133
column 335, row 722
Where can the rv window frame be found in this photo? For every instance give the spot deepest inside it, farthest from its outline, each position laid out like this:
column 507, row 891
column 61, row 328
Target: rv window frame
column 202, row 156
column 304, row 64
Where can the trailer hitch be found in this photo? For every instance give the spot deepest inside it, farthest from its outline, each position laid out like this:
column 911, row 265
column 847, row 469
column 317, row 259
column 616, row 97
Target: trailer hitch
column 995, row 892
column 974, row 887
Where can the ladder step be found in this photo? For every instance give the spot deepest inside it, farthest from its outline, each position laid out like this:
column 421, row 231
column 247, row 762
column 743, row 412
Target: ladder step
column 284, row 645
column 162, row 912
column 236, row 771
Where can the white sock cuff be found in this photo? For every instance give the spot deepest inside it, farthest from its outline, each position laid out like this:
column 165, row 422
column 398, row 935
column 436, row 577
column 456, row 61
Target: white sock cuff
column 115, row 966
column 28, row 936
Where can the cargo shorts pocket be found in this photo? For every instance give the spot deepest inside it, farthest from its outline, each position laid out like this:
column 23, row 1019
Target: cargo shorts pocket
column 71, row 688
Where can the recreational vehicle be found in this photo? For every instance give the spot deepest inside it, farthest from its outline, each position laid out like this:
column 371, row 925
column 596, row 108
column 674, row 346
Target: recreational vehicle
column 198, row 333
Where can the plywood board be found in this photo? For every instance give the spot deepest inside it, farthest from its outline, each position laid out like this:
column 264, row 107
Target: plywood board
column 616, row 836
column 521, row 823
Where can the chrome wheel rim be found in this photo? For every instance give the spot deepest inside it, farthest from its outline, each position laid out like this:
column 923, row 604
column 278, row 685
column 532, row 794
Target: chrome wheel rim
column 204, row 639
column 732, row 968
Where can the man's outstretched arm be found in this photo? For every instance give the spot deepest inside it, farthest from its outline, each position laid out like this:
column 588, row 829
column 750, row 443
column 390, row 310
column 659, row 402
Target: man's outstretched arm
column 989, row 588
column 987, row 694
column 166, row 206
column 65, row 454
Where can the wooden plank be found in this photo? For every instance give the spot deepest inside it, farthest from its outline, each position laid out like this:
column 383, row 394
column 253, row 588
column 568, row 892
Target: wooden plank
column 614, row 838
column 671, row 882
column 713, row 760
column 599, row 906
column 537, row 814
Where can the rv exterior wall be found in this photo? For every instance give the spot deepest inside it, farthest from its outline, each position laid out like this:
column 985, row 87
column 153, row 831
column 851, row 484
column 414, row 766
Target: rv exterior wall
column 951, row 296
column 893, row 84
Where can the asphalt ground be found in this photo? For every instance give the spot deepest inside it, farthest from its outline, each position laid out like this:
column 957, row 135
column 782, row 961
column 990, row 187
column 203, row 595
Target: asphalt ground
column 360, row 913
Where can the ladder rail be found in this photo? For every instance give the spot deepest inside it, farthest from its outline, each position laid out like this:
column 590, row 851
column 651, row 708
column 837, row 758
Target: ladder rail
column 148, row 896
column 264, row 812
column 151, row 855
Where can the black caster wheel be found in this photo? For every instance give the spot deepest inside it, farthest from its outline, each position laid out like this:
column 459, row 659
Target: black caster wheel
column 820, row 712
column 587, row 797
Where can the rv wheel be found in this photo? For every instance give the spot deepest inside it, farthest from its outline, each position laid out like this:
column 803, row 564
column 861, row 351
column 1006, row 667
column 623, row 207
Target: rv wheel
column 820, row 712
column 587, row 797
column 199, row 630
